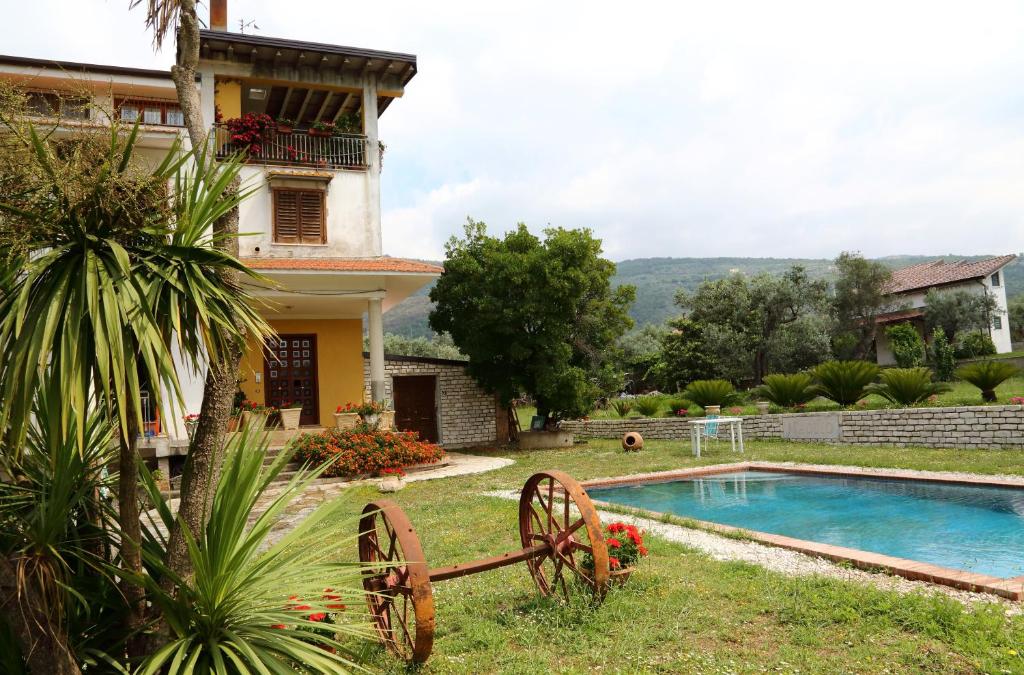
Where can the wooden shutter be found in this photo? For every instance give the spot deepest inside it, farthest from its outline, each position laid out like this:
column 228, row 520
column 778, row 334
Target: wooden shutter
column 311, row 227
column 299, row 217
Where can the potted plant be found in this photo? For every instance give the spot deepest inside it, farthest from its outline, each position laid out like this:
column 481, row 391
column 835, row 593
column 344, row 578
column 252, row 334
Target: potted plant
column 249, row 131
column 321, row 128
column 349, row 123
column 346, row 417
column 369, row 412
column 392, row 479
column 254, row 415
column 191, row 422
column 285, row 126
column 290, row 412
column 625, row 548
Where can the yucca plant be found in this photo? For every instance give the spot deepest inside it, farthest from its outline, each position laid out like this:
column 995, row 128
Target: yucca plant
column 786, row 390
column 648, row 406
column 252, row 604
column 844, row 382
column 710, row 392
column 987, row 375
column 906, row 385
column 622, row 406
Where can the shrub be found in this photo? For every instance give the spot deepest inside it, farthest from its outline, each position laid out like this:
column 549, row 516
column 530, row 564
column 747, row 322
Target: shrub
column 356, row 452
column 987, row 375
column 786, row 390
column 625, row 547
column 906, row 344
column 622, row 406
column 648, row 406
column 907, row 385
column 974, row 344
column 943, row 357
column 844, row 382
column 710, row 392
column 677, row 403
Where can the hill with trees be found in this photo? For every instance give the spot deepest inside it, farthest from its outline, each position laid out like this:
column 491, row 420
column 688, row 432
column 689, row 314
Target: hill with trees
column 658, row 279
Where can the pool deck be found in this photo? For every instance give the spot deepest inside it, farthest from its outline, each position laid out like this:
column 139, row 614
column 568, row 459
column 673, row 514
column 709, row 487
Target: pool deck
column 1012, row 589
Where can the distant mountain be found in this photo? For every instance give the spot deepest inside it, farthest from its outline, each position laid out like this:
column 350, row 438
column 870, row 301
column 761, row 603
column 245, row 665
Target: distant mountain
column 658, row 279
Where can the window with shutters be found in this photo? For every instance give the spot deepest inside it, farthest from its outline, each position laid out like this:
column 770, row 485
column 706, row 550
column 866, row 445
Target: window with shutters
column 299, row 217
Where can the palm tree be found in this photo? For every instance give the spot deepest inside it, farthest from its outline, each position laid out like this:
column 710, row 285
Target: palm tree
column 111, row 279
column 199, row 476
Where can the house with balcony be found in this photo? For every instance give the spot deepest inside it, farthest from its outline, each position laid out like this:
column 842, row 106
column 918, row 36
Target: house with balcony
column 312, row 224
column 908, row 288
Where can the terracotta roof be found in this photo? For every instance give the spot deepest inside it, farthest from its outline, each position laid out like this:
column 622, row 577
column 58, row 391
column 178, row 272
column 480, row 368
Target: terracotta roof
column 379, row 264
column 940, row 272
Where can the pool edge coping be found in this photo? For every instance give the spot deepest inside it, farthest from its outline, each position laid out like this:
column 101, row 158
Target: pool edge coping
column 1011, row 589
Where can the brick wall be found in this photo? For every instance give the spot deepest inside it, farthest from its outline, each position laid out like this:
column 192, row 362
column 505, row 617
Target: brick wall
column 980, row 427
column 467, row 413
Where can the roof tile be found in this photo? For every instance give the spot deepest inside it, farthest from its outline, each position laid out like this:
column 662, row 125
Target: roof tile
column 939, row 272
column 378, row 264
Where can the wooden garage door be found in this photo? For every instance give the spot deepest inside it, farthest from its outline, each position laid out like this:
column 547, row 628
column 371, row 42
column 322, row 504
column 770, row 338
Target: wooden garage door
column 290, row 374
column 416, row 405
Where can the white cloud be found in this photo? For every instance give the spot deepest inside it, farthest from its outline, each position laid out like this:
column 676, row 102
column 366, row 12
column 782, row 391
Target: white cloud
column 690, row 128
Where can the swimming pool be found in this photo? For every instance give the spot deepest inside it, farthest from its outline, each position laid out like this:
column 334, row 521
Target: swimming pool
column 974, row 528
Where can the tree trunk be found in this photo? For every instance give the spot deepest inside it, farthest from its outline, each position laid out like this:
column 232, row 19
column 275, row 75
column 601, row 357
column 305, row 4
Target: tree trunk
column 760, row 365
column 43, row 640
column 183, row 73
column 131, row 528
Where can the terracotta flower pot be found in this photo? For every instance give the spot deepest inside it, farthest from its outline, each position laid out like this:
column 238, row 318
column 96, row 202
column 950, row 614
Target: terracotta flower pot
column 620, row 576
column 713, row 410
column 284, row 131
column 318, row 132
column 632, row 442
column 233, row 423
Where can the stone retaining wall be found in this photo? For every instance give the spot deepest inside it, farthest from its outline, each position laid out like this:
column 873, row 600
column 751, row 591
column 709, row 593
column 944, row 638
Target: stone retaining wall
column 980, row 427
column 467, row 413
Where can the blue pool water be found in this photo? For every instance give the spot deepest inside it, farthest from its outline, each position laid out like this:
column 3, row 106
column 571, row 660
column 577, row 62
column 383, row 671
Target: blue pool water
column 975, row 528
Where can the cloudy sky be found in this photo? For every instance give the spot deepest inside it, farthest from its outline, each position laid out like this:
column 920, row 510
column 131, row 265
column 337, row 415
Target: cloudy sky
column 671, row 129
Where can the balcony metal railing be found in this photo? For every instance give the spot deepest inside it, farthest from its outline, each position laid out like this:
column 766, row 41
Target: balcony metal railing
column 298, row 148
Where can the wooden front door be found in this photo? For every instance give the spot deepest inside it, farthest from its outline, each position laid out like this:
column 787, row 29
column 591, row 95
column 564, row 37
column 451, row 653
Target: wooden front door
column 290, row 372
column 416, row 405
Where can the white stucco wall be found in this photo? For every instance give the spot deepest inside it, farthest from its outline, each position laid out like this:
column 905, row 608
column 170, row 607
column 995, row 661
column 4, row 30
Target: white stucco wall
column 353, row 231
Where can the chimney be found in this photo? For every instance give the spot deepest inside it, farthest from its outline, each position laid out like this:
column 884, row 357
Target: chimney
column 219, row 15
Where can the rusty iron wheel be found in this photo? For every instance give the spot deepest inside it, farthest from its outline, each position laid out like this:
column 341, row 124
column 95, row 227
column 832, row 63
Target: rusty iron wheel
column 555, row 510
column 397, row 579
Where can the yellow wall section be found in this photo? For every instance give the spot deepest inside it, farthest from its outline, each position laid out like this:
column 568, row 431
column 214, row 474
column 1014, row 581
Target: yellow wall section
column 228, row 98
column 339, row 350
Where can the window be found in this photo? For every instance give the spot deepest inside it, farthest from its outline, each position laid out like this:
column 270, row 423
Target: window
column 995, row 279
column 299, row 216
column 175, row 117
column 164, row 113
column 54, row 105
column 997, row 322
column 129, row 113
column 152, row 115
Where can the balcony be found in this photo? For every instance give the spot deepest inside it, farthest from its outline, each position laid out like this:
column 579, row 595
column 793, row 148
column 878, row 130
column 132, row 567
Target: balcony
column 296, row 148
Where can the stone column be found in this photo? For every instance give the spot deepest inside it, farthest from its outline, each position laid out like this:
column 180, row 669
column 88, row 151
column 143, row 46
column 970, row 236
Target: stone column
column 376, row 331
column 373, row 162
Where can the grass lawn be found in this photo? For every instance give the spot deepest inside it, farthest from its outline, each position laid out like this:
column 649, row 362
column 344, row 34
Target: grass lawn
column 962, row 393
column 683, row 611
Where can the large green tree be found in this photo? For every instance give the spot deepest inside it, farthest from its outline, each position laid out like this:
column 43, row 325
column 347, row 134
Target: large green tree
column 742, row 317
column 534, row 316
column 958, row 311
column 858, row 298
column 1015, row 315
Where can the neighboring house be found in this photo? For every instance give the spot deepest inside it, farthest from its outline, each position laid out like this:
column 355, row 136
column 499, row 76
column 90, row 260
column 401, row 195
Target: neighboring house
column 908, row 287
column 314, row 215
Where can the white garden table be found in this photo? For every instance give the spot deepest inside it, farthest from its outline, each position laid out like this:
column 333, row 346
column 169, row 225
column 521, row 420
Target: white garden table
column 698, row 429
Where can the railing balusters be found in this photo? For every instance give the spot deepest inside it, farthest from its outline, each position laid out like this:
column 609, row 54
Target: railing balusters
column 346, row 151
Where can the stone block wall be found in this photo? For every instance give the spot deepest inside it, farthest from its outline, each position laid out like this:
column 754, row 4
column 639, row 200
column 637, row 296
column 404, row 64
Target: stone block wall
column 467, row 413
column 977, row 427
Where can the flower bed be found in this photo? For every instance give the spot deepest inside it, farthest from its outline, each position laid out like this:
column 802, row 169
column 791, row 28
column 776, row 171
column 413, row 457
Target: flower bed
column 360, row 451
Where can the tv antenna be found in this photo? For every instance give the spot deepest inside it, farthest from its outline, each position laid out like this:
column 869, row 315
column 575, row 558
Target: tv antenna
column 243, row 24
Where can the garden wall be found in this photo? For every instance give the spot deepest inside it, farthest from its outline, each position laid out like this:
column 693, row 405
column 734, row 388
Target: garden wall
column 979, row 427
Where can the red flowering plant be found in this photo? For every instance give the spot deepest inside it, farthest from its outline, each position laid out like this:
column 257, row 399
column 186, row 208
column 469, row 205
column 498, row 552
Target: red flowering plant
column 625, row 547
column 682, row 412
column 318, row 619
column 255, row 408
column 249, row 131
column 1017, row 400
column 364, row 452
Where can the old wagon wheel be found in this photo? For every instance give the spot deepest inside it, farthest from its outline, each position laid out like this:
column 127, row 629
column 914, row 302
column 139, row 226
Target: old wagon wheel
column 400, row 597
column 554, row 510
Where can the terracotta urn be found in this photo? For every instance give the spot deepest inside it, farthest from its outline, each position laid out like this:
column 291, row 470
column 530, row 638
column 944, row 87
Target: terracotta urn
column 632, row 442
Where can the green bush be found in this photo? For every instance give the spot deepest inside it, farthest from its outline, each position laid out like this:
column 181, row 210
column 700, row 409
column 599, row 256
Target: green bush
column 786, row 390
column 906, row 344
column 942, row 356
column 973, row 344
column 648, row 406
column 710, row 392
column 677, row 403
column 906, row 385
column 622, row 406
column 987, row 375
column 844, row 382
